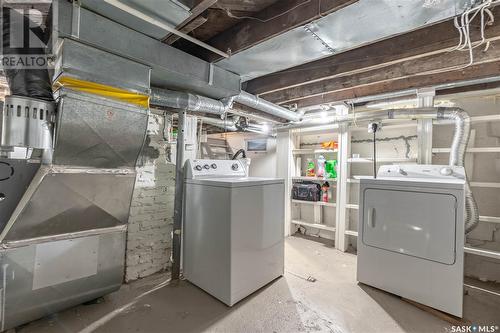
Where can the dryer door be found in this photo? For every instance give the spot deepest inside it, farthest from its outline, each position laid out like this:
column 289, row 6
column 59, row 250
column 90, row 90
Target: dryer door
column 410, row 222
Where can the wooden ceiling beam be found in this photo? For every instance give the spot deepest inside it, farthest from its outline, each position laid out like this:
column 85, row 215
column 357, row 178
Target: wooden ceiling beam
column 480, row 71
column 421, row 67
column 276, row 19
column 433, row 39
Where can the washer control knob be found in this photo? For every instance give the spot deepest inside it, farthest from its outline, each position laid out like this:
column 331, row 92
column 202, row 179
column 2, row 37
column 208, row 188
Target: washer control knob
column 206, row 166
column 446, row 171
column 235, row 167
column 214, row 166
column 198, row 167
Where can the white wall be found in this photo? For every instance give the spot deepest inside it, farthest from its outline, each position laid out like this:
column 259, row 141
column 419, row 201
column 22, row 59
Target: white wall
column 263, row 164
column 481, row 167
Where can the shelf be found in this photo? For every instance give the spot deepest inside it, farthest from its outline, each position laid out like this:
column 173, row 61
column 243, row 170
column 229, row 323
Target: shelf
column 320, row 129
column 351, row 233
column 481, row 252
column 382, row 160
column 333, row 180
column 489, row 219
column 314, row 151
column 315, row 203
column 314, row 225
column 470, row 150
column 485, row 184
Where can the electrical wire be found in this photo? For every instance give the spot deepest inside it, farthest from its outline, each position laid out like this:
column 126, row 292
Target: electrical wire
column 465, row 43
column 228, row 12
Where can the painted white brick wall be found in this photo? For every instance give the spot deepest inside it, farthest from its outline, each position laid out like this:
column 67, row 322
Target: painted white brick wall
column 150, row 222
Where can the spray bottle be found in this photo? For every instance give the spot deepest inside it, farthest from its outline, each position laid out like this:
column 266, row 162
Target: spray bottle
column 321, row 166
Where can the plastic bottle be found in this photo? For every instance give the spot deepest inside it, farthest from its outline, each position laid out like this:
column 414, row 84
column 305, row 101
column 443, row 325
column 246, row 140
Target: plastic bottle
column 321, row 166
column 331, row 169
column 311, row 168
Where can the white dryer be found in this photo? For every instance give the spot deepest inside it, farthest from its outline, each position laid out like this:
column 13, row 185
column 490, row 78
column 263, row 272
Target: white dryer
column 233, row 230
column 411, row 234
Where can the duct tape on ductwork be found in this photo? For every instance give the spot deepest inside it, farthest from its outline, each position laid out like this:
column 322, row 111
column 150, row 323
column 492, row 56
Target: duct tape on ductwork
column 122, row 95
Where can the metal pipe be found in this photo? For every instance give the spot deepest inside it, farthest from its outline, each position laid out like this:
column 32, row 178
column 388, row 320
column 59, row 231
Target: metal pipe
column 179, row 194
column 126, row 8
column 267, row 107
column 458, row 148
column 187, row 101
column 227, row 124
column 197, row 103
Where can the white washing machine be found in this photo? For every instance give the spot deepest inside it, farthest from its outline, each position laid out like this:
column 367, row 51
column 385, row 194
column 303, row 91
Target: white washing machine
column 233, row 232
column 411, row 234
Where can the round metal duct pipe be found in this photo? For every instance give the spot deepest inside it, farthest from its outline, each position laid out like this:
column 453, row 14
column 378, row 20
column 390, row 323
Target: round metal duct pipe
column 186, row 101
column 267, row 107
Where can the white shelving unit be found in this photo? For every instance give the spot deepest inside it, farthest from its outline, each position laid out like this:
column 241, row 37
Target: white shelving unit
column 318, row 217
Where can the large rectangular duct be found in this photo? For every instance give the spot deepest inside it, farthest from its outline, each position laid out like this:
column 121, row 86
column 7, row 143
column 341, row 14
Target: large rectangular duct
column 171, row 68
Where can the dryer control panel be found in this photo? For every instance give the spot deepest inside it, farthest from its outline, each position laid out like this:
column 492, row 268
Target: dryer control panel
column 430, row 173
column 216, row 169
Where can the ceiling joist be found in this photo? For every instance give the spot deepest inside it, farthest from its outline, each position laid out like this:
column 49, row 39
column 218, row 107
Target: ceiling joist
column 420, row 43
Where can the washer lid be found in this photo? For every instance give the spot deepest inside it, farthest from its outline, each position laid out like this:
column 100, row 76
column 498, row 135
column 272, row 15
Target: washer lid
column 236, row 181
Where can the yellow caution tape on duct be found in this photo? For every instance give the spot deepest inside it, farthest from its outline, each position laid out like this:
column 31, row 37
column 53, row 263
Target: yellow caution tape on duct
column 103, row 90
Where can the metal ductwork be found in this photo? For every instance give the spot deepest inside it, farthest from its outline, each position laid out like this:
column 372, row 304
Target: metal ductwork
column 226, row 124
column 171, row 68
column 186, row 101
column 458, row 148
column 266, row 107
column 196, row 103
column 72, row 207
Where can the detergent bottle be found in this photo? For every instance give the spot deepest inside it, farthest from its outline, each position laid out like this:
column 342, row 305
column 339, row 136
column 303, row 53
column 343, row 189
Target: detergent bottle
column 321, row 166
column 331, row 169
column 311, row 168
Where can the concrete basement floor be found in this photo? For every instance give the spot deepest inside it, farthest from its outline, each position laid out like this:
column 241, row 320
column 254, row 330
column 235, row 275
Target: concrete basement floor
column 333, row 303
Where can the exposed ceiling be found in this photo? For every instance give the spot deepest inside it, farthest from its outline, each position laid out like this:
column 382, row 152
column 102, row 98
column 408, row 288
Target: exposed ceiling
column 220, row 17
column 310, row 52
